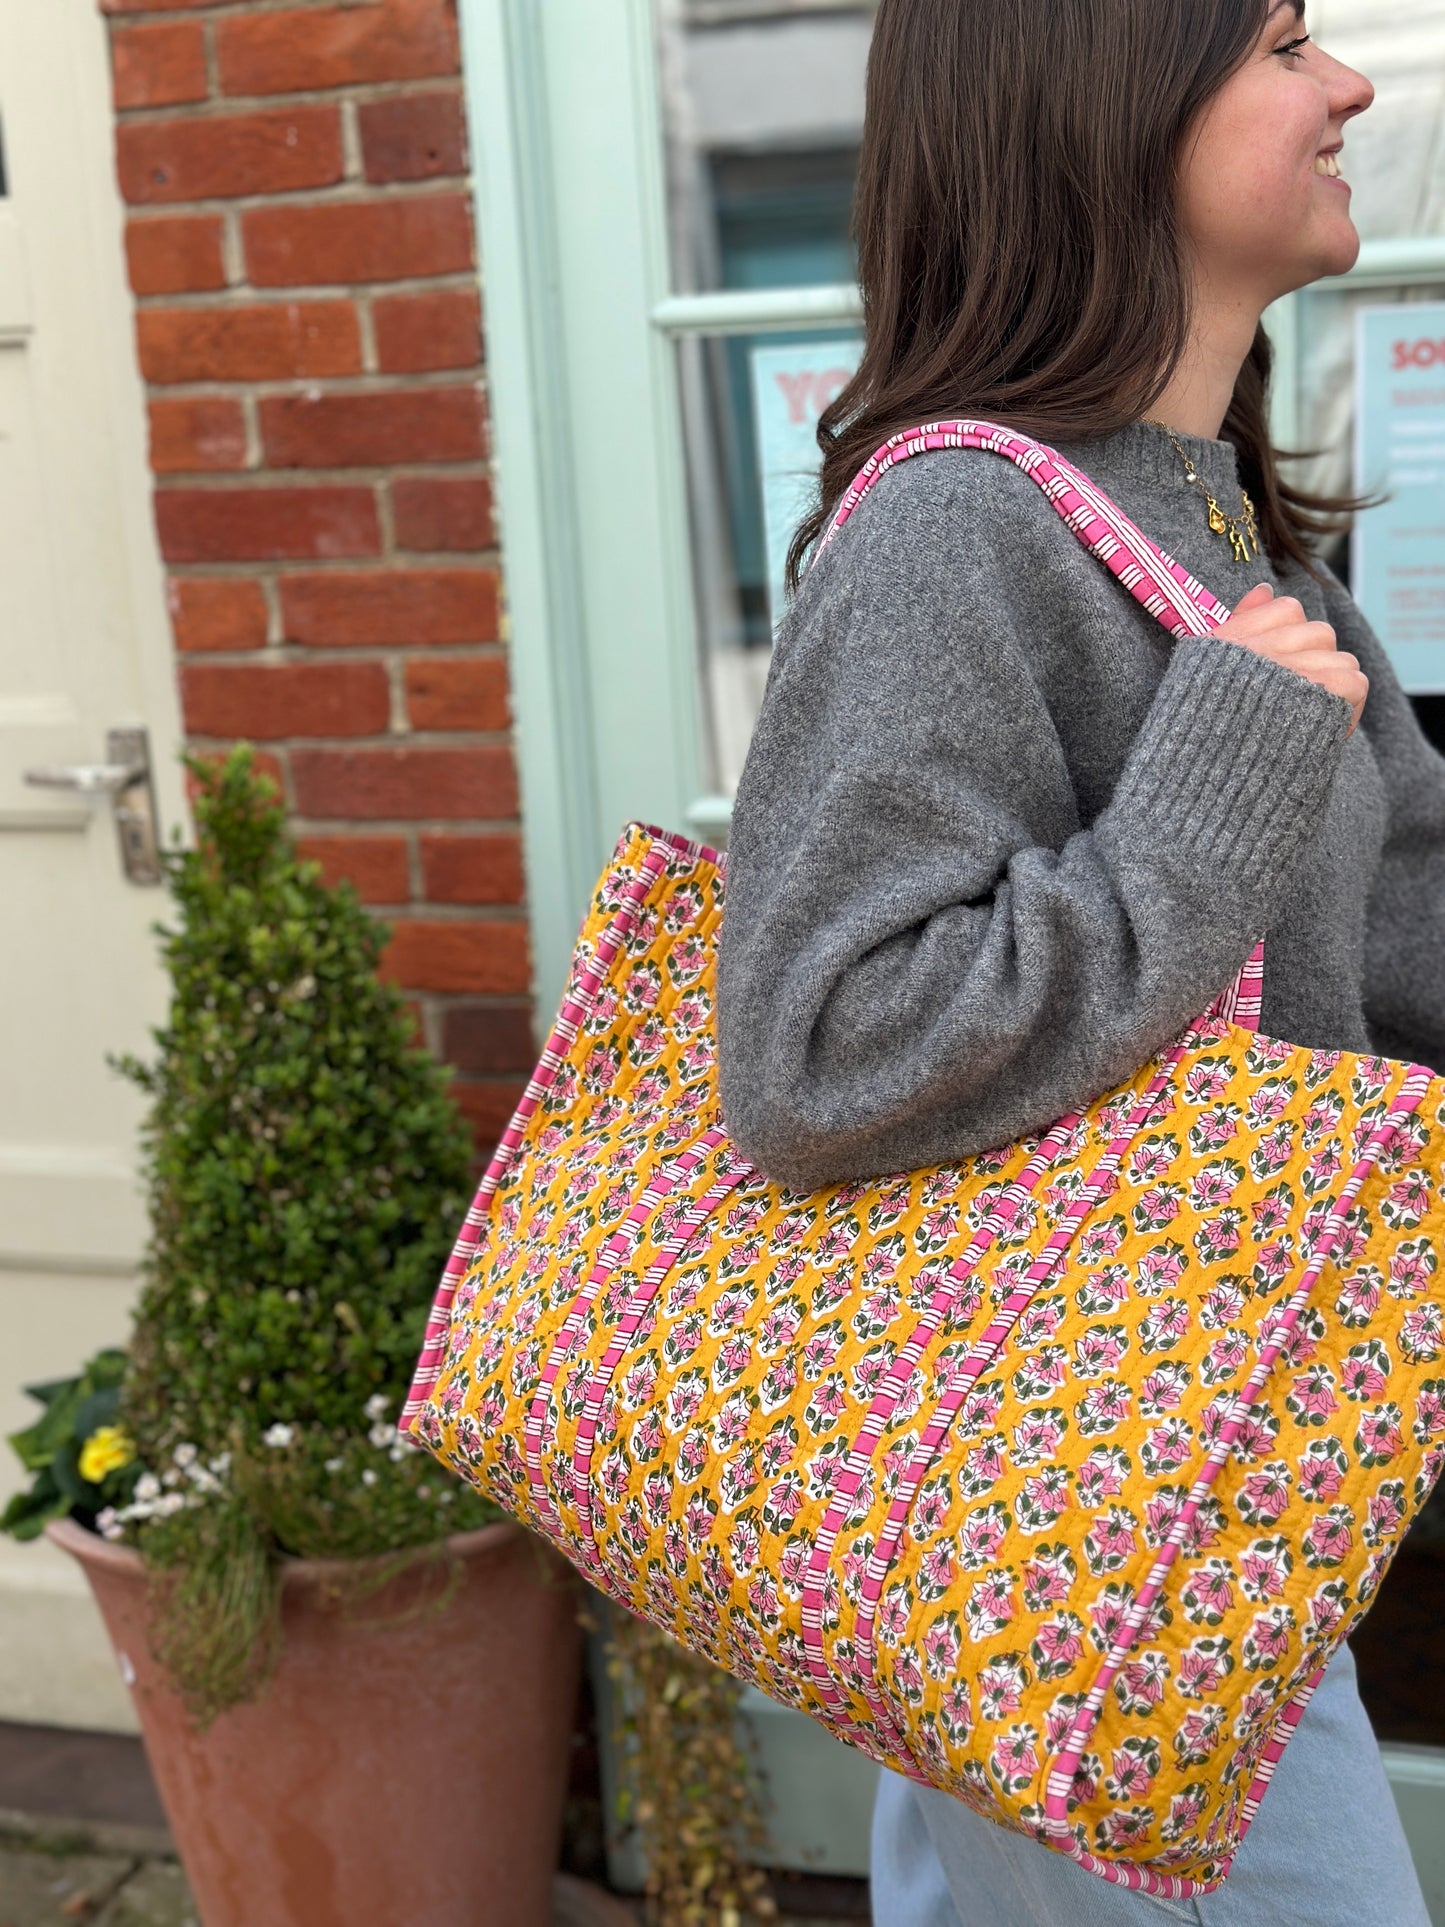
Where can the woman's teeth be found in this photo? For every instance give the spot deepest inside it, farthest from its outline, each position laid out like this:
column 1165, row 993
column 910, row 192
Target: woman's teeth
column 1327, row 164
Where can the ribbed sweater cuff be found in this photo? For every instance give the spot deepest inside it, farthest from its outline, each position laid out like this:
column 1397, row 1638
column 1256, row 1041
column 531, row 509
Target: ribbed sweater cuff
column 1233, row 765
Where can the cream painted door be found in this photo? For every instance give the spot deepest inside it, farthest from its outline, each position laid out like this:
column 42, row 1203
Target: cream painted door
column 84, row 647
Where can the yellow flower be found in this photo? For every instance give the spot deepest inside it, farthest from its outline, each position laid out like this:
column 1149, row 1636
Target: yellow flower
column 104, row 1451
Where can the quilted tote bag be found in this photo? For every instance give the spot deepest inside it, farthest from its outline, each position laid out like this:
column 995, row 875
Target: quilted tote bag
column 1051, row 1478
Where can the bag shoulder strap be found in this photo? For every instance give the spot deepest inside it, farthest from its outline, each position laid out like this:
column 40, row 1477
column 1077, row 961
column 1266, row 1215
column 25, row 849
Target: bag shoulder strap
column 1155, row 580
column 1170, row 594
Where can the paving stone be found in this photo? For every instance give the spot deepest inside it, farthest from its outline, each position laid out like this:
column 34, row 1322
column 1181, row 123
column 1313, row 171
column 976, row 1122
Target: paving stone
column 156, row 1897
column 57, row 1890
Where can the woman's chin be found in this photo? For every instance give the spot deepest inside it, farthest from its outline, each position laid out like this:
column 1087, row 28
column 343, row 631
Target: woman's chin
column 1335, row 251
column 1340, row 246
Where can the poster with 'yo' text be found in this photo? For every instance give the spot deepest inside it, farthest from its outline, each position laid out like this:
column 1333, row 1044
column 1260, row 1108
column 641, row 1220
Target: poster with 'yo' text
column 792, row 385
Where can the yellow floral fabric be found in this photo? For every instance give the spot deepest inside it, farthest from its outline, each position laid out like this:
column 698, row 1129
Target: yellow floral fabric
column 725, row 1421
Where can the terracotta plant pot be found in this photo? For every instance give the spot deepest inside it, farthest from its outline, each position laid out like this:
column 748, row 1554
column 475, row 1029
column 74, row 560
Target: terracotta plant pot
column 407, row 1764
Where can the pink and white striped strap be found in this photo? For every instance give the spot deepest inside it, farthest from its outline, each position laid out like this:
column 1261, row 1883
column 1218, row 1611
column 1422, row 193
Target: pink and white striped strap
column 1169, row 593
column 1159, row 584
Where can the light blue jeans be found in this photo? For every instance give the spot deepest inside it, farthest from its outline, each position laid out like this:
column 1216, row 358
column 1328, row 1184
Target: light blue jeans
column 1326, row 1850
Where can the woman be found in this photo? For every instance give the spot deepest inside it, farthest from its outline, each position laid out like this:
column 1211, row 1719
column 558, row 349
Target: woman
column 999, row 838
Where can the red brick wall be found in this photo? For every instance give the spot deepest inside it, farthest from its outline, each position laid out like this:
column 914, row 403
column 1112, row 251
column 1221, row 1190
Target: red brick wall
column 300, row 246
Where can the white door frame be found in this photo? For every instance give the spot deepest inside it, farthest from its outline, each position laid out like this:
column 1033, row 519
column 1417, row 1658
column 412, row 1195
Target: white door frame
column 72, row 1218
column 591, row 488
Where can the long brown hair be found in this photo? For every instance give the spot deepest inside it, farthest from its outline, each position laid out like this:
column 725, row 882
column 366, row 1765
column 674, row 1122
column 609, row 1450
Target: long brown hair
column 1019, row 248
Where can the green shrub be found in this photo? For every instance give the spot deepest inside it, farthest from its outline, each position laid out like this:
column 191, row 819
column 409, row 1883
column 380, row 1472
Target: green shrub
column 307, row 1171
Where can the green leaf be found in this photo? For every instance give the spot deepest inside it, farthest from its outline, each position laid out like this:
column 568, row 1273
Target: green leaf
column 28, row 1513
column 41, row 1441
column 101, row 1408
column 65, row 1470
column 33, row 1452
column 47, row 1393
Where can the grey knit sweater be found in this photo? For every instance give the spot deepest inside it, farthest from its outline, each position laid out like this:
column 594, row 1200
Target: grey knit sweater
column 1000, row 837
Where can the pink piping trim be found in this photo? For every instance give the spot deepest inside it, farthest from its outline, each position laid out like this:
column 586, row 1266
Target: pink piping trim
column 698, row 1215
column 623, row 1242
column 1414, row 1087
column 576, row 1007
column 885, row 1401
column 979, row 1359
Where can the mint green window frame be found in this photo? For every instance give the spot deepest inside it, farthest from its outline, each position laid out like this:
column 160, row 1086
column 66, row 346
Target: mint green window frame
column 581, row 325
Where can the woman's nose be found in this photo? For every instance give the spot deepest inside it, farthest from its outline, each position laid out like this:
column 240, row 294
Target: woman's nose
column 1350, row 92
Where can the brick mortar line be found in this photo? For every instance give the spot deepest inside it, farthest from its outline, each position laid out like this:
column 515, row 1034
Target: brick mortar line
column 484, row 915
column 453, row 281
column 209, row 55
column 385, row 514
column 353, row 157
column 217, row 105
column 300, row 475
column 258, row 569
column 324, row 388
column 408, row 561
column 283, row 653
column 413, row 739
column 349, row 190
column 251, row 422
column 228, row 9
column 329, row 195
column 207, row 745
column 403, row 826
column 240, row 481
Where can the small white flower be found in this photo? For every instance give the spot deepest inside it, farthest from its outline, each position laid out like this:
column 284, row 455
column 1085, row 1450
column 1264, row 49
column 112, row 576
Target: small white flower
column 445, row 1496
column 278, row 1436
column 381, row 1433
column 185, row 1456
column 334, row 1465
column 107, row 1523
column 147, row 1487
column 377, row 1405
column 368, row 1477
column 172, row 1503
column 397, row 1453
column 221, row 1464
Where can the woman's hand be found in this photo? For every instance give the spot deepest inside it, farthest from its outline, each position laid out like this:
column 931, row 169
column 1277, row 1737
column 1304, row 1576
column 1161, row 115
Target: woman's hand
column 1277, row 627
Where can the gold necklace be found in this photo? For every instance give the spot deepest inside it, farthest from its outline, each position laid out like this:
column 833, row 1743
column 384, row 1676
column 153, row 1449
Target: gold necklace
column 1242, row 529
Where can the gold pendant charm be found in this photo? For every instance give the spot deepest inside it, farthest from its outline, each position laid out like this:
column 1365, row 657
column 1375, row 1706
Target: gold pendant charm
column 1242, row 529
column 1249, row 522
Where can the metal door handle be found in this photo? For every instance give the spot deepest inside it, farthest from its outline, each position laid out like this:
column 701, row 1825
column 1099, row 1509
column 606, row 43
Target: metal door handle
column 126, row 780
column 91, row 779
